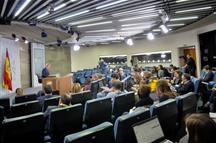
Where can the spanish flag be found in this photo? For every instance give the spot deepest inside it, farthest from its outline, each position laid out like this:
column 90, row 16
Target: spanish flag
column 7, row 77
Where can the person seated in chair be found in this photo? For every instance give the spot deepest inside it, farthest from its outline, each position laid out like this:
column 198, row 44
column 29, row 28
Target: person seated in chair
column 19, row 92
column 48, row 94
column 163, row 90
column 121, row 74
column 115, row 90
column 186, row 86
column 209, row 75
column 200, row 128
column 177, row 78
column 64, row 101
column 144, row 98
column 106, row 90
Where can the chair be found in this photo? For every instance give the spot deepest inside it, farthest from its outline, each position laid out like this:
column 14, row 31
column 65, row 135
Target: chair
column 123, row 103
column 57, row 92
column 53, row 101
column 102, row 133
column 24, row 129
column 64, row 121
column 167, row 112
column 81, row 97
column 187, row 104
column 5, row 102
column 196, row 83
column 123, row 131
column 94, row 88
column 23, row 109
column 97, row 111
column 1, row 119
column 25, row 98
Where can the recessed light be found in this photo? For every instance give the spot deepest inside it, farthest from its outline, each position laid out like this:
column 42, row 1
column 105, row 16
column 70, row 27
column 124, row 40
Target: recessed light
column 184, row 18
column 94, row 24
column 175, row 25
column 86, row 21
column 135, row 28
column 139, row 17
column 104, row 30
column 110, row 4
column 22, row 7
column 193, row 9
column 72, row 15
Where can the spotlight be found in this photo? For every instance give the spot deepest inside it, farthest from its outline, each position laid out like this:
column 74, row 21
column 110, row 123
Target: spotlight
column 76, row 47
column 24, row 40
column 43, row 34
column 59, row 42
column 164, row 28
column 163, row 56
column 32, row 23
column 150, row 36
column 129, row 42
column 15, row 38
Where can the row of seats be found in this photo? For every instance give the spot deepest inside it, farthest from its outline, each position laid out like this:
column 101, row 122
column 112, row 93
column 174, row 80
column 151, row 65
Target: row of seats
column 170, row 114
column 95, row 112
column 24, row 129
column 28, row 104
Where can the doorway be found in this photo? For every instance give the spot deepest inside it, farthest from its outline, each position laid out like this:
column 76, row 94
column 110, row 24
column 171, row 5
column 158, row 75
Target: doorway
column 183, row 51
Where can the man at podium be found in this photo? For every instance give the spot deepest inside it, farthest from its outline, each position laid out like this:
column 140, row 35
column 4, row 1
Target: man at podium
column 45, row 71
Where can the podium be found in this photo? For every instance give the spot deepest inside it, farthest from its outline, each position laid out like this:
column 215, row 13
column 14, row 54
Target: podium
column 62, row 84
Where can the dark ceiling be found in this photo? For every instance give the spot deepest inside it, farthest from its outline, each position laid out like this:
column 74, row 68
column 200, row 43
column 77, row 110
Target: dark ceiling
column 108, row 20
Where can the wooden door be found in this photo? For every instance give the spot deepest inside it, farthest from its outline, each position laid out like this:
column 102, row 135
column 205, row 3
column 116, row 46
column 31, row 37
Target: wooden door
column 191, row 51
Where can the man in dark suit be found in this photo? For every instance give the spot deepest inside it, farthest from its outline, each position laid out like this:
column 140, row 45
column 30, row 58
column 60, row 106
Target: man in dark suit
column 186, row 86
column 45, row 71
column 190, row 65
column 47, row 94
column 209, row 75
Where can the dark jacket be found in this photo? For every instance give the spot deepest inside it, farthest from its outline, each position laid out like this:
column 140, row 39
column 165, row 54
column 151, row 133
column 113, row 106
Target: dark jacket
column 185, row 88
column 146, row 101
column 42, row 98
column 208, row 77
column 163, row 98
column 45, row 73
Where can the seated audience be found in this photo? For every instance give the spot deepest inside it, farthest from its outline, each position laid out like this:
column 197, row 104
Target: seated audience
column 209, row 106
column 144, row 98
column 115, row 90
column 75, row 88
column 114, row 78
column 177, row 78
column 162, row 72
column 154, row 71
column 186, row 86
column 209, row 75
column 48, row 94
column 106, row 90
column 121, row 74
column 200, row 129
column 64, row 101
column 87, row 85
column 163, row 90
column 19, row 92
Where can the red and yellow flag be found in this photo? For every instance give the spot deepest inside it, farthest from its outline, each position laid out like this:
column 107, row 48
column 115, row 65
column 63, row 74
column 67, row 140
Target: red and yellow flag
column 7, row 77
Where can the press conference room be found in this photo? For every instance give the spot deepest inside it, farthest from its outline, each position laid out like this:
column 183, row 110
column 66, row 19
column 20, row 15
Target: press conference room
column 107, row 71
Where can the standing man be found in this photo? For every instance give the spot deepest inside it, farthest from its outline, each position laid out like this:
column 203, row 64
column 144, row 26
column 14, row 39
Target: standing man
column 45, row 71
column 190, row 65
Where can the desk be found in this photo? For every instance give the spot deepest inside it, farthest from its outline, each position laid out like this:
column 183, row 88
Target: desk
column 62, row 84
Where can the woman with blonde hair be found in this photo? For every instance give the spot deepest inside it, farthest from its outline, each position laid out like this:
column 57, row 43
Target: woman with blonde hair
column 76, row 88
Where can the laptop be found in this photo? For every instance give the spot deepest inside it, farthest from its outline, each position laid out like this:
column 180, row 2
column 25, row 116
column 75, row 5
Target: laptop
column 149, row 131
